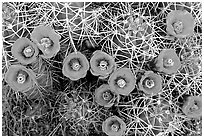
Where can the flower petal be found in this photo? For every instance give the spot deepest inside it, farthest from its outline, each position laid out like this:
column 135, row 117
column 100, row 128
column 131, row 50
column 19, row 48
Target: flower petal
column 114, row 120
column 123, row 74
column 67, row 69
column 41, row 32
column 192, row 108
column 165, row 55
column 18, row 48
column 11, row 78
column 187, row 20
column 97, row 57
column 156, row 87
column 99, row 96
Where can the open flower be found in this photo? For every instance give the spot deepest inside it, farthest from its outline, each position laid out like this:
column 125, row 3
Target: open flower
column 47, row 40
column 114, row 126
column 180, row 23
column 122, row 81
column 75, row 66
column 168, row 61
column 102, row 64
column 150, row 83
column 192, row 108
column 104, row 96
column 24, row 51
column 19, row 78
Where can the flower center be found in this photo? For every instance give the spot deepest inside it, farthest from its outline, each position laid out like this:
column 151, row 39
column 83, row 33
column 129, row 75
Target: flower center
column 178, row 27
column 76, row 66
column 28, row 51
column 107, row 96
column 194, row 107
column 121, row 83
column 168, row 62
column 46, row 43
column 149, row 83
column 21, row 78
column 114, row 127
column 103, row 65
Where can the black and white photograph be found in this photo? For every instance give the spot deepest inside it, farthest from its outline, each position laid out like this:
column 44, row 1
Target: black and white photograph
column 130, row 68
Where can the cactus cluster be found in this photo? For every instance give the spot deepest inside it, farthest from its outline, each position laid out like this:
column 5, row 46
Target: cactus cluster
column 102, row 68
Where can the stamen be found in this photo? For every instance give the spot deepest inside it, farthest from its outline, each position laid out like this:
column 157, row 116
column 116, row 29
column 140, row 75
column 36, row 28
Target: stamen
column 194, row 107
column 168, row 62
column 107, row 96
column 115, row 127
column 121, row 83
column 21, row 78
column 178, row 27
column 28, row 51
column 76, row 66
column 103, row 65
column 149, row 83
column 46, row 43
